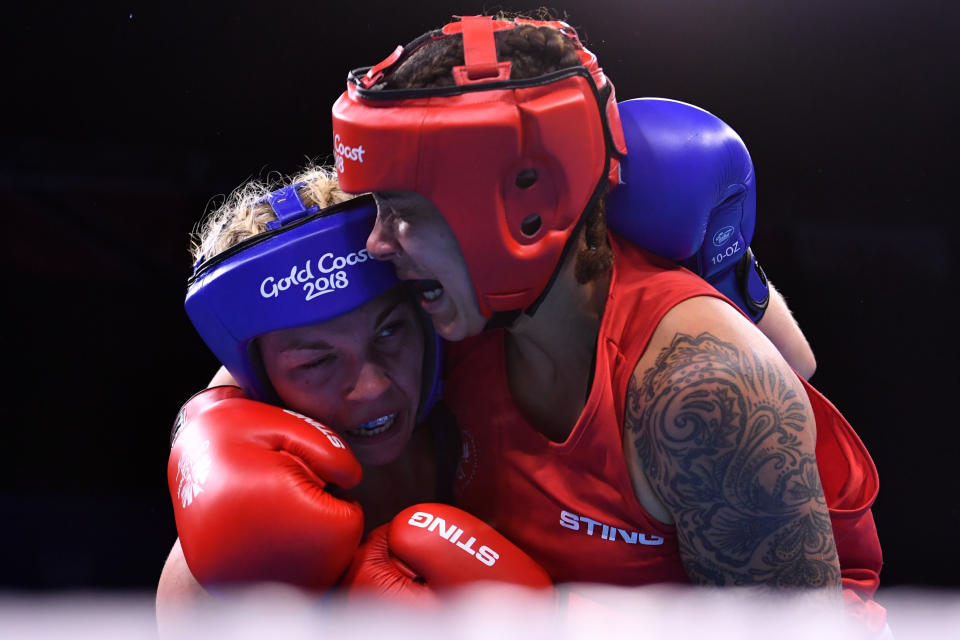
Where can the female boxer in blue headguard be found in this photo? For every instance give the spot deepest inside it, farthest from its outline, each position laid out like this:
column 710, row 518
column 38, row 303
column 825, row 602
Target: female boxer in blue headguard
column 316, row 431
column 622, row 421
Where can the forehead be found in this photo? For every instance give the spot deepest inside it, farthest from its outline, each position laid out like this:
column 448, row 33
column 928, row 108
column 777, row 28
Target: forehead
column 409, row 205
column 402, row 199
column 367, row 316
column 393, row 195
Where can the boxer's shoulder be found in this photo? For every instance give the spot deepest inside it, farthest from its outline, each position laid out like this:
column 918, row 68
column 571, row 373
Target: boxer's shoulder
column 724, row 432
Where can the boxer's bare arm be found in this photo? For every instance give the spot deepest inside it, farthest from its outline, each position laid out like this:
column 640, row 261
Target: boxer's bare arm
column 723, row 433
column 178, row 589
column 779, row 325
column 222, row 377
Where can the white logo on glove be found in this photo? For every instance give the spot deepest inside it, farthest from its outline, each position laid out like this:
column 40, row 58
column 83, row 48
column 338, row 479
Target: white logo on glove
column 327, row 431
column 192, row 472
column 428, row 521
column 722, row 236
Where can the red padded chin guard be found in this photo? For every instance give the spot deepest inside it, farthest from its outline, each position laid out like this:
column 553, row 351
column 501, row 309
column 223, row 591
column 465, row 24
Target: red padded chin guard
column 511, row 164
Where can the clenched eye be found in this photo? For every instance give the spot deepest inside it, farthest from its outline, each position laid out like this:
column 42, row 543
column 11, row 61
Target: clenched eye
column 319, row 362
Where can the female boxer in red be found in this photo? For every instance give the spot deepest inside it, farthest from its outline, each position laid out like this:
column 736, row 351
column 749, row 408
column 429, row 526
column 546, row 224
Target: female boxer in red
column 622, row 422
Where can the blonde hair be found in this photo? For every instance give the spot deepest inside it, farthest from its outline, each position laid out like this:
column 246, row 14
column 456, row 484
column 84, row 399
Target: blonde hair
column 242, row 214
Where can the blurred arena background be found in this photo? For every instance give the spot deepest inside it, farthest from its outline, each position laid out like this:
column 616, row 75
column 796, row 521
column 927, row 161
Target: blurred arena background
column 124, row 120
column 480, row 613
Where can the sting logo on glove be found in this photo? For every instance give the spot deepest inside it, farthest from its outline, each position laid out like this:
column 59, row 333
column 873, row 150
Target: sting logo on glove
column 327, row 431
column 428, row 521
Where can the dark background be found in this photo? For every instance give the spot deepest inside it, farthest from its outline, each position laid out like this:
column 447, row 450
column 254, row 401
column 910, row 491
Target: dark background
column 123, row 120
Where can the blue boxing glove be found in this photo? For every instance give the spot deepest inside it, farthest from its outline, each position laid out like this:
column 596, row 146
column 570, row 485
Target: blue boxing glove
column 687, row 192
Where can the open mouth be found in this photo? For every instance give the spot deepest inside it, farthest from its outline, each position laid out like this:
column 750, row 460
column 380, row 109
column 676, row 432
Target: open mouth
column 428, row 290
column 374, row 427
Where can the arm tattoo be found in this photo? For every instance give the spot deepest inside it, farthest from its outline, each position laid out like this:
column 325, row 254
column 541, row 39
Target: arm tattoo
column 717, row 431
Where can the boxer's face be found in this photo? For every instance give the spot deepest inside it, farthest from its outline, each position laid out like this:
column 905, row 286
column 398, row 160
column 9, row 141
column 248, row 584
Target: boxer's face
column 411, row 233
column 358, row 374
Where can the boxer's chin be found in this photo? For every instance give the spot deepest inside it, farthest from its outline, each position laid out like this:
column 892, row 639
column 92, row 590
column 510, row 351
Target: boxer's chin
column 381, row 440
column 450, row 321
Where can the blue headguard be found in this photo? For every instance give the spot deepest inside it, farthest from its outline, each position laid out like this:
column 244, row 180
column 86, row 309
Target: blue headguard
column 311, row 265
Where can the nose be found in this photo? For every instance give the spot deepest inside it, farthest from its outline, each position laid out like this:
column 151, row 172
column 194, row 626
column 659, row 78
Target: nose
column 370, row 384
column 382, row 242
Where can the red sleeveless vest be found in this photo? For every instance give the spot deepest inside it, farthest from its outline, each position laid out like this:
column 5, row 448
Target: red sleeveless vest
column 571, row 505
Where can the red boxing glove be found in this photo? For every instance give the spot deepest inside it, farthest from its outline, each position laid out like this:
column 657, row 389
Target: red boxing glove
column 248, row 482
column 428, row 548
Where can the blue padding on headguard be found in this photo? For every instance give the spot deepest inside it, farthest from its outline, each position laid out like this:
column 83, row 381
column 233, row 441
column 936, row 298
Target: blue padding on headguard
column 310, row 271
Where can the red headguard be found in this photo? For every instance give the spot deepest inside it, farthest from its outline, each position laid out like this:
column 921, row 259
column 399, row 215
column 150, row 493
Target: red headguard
column 511, row 164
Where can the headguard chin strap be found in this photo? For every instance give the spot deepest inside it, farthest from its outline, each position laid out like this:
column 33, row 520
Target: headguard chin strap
column 512, row 164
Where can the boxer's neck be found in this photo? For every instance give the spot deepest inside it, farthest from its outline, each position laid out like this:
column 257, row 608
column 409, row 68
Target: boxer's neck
column 550, row 356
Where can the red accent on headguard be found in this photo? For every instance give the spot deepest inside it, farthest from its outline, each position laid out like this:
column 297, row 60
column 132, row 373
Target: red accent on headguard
column 373, row 76
column 479, row 53
column 511, row 164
